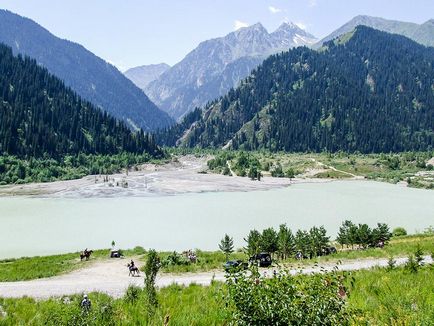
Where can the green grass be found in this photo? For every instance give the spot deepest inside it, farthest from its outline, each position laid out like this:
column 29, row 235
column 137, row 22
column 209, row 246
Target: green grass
column 330, row 174
column 394, row 297
column 400, row 246
column 29, row 268
column 192, row 305
column 376, row 297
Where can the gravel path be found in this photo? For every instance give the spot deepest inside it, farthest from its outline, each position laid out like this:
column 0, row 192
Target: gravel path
column 111, row 277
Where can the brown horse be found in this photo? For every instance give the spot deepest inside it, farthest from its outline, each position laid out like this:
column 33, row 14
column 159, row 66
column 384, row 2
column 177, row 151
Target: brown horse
column 86, row 254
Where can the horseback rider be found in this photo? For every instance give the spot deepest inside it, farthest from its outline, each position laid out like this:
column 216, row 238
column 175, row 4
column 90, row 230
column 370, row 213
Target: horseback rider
column 132, row 264
column 85, row 303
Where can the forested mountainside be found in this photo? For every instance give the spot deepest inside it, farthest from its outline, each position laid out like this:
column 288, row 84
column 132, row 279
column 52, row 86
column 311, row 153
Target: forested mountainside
column 89, row 76
column 40, row 116
column 217, row 65
column 367, row 91
column 423, row 33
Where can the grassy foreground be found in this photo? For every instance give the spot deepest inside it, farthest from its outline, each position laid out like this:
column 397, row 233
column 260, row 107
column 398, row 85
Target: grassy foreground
column 376, row 297
column 39, row 267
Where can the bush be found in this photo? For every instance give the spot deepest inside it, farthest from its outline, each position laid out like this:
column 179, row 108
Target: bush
column 399, row 232
column 411, row 265
column 317, row 299
column 132, row 294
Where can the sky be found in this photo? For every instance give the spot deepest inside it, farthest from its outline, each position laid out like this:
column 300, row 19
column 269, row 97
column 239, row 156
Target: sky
column 129, row 33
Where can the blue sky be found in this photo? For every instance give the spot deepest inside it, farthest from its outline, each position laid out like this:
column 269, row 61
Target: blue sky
column 134, row 32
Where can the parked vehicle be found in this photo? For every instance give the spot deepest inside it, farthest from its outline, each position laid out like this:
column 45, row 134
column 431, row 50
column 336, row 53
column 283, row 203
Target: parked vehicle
column 329, row 251
column 116, row 254
column 234, row 264
column 262, row 259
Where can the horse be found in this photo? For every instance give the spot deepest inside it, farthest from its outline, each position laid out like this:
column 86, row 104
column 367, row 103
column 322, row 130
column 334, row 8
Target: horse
column 134, row 270
column 86, row 254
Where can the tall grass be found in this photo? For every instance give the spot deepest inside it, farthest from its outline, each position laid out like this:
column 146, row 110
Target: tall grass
column 192, row 305
column 395, row 297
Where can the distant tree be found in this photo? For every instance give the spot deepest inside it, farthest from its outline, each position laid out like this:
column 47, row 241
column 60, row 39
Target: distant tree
column 253, row 243
column 381, row 234
column 254, row 173
column 302, row 242
column 285, row 242
column 353, row 233
column 277, row 171
column 290, row 173
column 269, row 241
column 346, row 234
column 227, row 245
column 399, row 232
column 318, row 240
column 364, row 235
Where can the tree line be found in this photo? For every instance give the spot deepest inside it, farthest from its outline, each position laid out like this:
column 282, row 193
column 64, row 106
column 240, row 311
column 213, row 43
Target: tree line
column 47, row 169
column 362, row 235
column 311, row 243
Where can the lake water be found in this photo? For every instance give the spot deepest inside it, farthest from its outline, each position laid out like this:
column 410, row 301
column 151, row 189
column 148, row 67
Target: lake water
column 40, row 226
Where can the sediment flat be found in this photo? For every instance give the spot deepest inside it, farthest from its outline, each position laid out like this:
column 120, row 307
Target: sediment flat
column 187, row 174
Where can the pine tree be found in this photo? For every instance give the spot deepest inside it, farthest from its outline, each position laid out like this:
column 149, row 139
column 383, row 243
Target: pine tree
column 253, row 241
column 227, row 245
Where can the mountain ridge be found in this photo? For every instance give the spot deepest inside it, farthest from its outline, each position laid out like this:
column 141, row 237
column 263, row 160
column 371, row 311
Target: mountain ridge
column 421, row 33
column 141, row 76
column 348, row 97
column 91, row 77
column 196, row 79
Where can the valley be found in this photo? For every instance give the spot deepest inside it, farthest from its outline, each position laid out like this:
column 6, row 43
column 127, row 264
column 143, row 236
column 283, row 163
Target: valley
column 265, row 164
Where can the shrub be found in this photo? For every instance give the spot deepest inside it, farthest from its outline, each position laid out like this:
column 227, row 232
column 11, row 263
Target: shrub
column 399, row 232
column 151, row 269
column 132, row 294
column 411, row 265
column 317, row 299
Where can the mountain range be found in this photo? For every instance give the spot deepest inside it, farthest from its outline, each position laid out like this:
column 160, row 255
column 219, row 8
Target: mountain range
column 88, row 75
column 423, row 33
column 367, row 91
column 143, row 75
column 217, row 65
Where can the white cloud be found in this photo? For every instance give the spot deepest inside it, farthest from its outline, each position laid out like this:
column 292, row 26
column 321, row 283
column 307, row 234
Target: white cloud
column 312, row 3
column 274, row 10
column 239, row 24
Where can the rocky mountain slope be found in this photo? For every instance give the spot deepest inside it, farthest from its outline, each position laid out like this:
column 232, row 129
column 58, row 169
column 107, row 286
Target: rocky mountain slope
column 368, row 91
column 217, row 65
column 143, row 75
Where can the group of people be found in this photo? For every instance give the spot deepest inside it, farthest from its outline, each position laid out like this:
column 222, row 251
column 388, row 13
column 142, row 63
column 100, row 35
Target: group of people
column 190, row 255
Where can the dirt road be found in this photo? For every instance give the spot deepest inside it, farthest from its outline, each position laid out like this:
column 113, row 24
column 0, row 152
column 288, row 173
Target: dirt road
column 111, row 277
